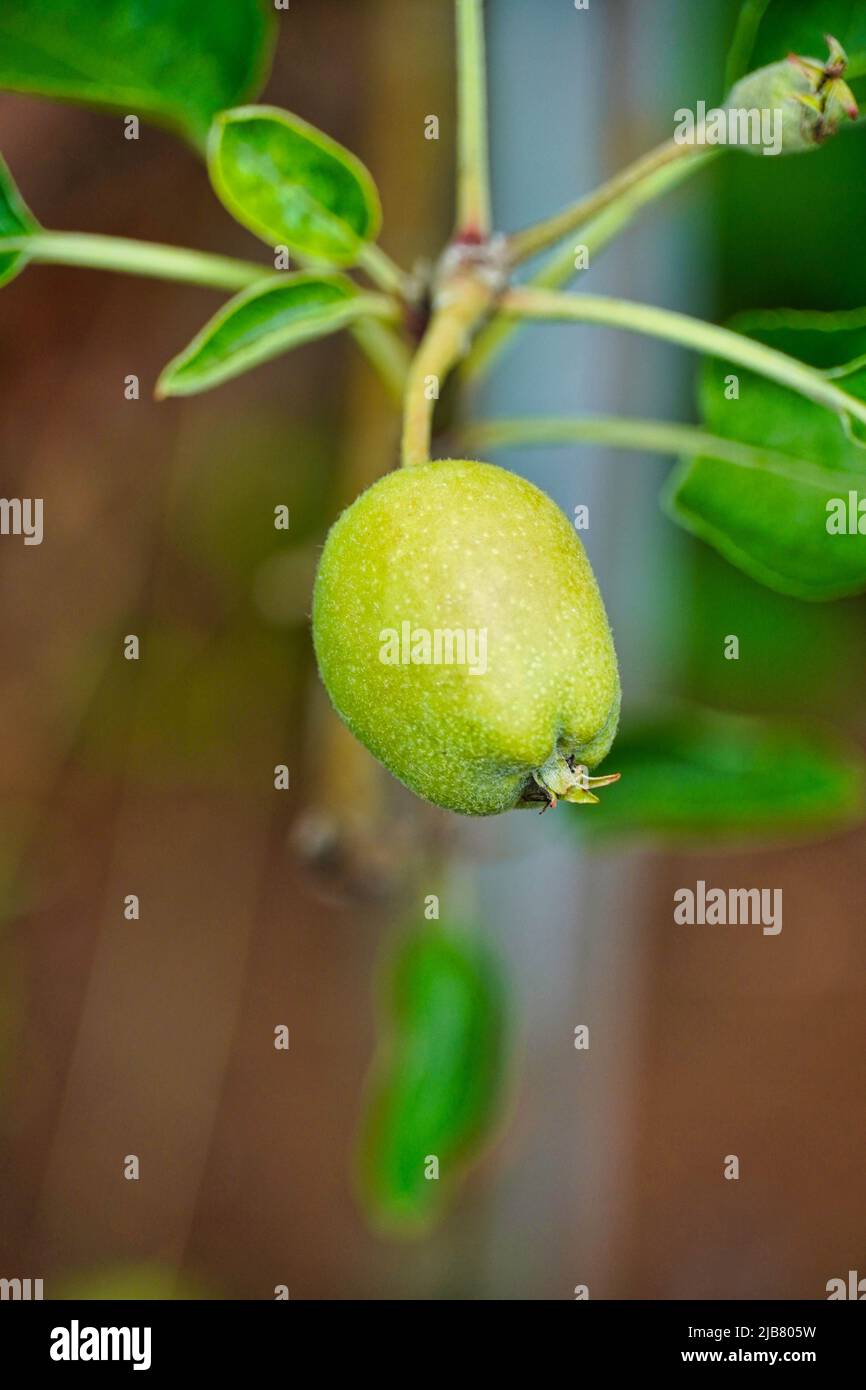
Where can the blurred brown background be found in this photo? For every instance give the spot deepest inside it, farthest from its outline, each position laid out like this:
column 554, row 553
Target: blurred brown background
column 155, row 778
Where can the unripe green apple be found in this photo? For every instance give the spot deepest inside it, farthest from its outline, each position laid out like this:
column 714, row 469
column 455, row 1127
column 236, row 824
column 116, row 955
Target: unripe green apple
column 809, row 92
column 461, row 635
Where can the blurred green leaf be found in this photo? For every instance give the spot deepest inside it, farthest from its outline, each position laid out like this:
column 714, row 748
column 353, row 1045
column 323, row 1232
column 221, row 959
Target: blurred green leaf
column 16, row 220
column 13, row 987
column 17, row 821
column 176, row 62
column 743, row 41
column 437, row 1083
column 790, row 653
column 120, row 1283
column 263, row 322
column 799, row 26
column 232, row 476
column 17, row 818
column 292, row 185
column 702, row 776
column 771, row 519
column 203, row 708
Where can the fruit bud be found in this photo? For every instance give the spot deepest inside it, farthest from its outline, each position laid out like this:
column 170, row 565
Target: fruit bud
column 810, row 94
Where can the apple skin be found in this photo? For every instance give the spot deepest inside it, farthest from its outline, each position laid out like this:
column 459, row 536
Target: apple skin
column 467, row 546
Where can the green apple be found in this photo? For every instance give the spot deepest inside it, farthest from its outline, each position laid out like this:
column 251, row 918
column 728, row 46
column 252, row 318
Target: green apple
column 461, row 636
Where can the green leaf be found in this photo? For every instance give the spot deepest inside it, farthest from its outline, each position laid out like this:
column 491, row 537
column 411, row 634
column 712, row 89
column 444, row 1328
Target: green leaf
column 291, row 185
column 771, row 519
column 437, row 1083
column 16, row 220
column 262, row 322
column 707, row 777
column 799, row 26
column 743, row 41
column 176, row 62
column 120, row 1283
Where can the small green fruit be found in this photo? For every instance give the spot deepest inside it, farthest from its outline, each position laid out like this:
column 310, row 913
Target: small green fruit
column 461, row 635
column 809, row 92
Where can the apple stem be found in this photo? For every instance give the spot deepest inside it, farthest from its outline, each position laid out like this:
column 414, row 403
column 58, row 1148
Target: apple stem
column 473, row 173
column 460, row 306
